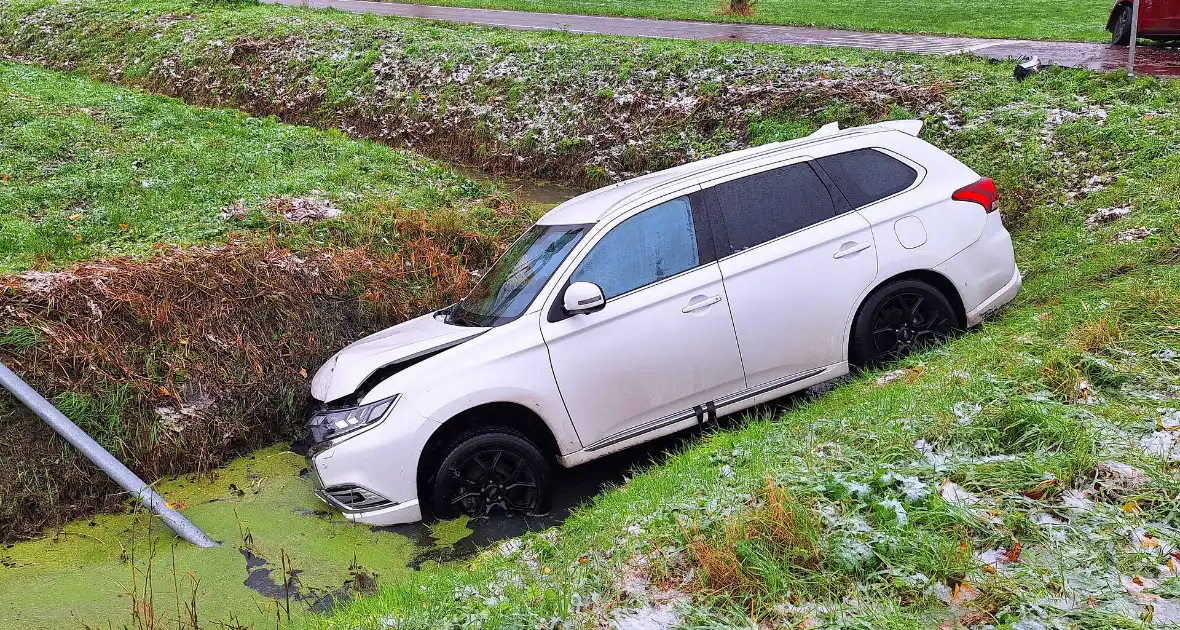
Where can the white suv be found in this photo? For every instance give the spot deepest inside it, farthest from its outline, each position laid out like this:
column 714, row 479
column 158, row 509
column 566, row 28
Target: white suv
column 655, row 305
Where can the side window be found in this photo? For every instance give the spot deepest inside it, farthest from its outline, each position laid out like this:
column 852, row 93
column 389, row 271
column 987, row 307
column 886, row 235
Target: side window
column 866, row 175
column 764, row 206
column 657, row 243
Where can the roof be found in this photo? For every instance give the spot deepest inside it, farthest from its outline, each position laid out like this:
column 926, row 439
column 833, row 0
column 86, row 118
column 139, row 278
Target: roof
column 597, row 205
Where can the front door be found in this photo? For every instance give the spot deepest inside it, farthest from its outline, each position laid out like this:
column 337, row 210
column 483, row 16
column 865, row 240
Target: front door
column 663, row 344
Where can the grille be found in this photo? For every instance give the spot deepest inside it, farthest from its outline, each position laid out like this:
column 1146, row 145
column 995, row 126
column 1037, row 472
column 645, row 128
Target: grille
column 353, row 497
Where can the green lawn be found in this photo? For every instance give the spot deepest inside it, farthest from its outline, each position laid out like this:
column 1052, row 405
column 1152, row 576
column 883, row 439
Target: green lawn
column 94, row 170
column 1082, row 20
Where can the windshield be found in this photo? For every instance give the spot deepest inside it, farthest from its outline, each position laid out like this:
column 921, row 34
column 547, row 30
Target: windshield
column 511, row 285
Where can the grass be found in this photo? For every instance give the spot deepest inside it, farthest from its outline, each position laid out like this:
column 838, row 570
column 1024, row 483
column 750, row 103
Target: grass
column 1082, row 20
column 199, row 291
column 91, row 170
column 837, row 511
column 981, row 478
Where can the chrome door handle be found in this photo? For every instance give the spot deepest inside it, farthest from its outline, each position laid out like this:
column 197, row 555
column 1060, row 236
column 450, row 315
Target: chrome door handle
column 696, row 306
column 852, row 249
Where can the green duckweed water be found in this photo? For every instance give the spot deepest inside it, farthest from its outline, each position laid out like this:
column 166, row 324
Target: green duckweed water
column 259, row 507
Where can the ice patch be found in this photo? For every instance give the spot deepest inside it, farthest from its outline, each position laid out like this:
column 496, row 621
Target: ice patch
column 1161, row 444
column 895, row 375
column 913, row 488
column 966, row 411
column 658, row 617
column 955, row 494
column 898, row 510
column 1106, row 215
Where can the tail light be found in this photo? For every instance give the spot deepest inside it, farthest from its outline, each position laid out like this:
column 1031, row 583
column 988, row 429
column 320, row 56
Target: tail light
column 982, row 192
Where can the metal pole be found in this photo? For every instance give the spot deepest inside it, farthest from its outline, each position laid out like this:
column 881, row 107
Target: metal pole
column 1134, row 36
column 103, row 459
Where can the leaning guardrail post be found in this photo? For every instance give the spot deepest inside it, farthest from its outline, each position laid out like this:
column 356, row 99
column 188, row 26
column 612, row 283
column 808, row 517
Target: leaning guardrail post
column 103, row 459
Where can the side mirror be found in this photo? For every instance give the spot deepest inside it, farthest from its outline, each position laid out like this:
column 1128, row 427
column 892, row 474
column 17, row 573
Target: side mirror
column 583, row 297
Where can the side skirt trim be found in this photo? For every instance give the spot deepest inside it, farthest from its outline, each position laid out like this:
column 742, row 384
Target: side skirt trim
column 702, row 413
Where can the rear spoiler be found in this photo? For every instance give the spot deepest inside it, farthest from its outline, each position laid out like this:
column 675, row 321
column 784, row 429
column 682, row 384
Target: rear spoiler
column 909, row 127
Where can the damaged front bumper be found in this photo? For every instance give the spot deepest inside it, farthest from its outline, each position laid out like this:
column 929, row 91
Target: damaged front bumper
column 371, row 477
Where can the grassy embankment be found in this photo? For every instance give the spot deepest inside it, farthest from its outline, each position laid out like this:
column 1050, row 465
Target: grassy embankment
column 1082, row 20
column 176, row 359
column 1017, row 417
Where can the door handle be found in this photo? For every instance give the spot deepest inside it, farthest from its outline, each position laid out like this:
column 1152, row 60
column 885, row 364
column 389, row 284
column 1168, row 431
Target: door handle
column 696, row 306
column 854, row 248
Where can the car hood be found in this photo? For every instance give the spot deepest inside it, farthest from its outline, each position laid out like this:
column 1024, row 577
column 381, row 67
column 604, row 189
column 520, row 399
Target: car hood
column 349, row 368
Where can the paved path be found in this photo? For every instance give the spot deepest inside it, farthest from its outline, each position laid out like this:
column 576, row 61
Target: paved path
column 1151, row 60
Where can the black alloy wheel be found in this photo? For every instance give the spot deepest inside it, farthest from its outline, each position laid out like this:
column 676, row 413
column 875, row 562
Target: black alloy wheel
column 491, row 471
column 901, row 318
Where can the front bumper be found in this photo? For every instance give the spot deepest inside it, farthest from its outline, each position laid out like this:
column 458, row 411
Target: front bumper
column 372, row 477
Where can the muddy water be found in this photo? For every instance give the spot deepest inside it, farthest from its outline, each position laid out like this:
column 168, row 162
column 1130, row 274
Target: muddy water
column 283, row 551
column 528, row 192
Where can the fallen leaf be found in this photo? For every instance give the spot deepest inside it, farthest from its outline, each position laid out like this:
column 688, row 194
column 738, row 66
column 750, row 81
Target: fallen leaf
column 964, row 592
column 1014, row 553
column 303, row 372
column 1131, row 507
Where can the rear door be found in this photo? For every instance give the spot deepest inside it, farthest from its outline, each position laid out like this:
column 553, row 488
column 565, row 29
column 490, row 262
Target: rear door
column 795, row 261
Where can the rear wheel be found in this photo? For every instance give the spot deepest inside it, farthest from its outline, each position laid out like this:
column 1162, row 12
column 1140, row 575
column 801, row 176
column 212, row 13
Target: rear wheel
column 489, row 471
column 900, row 318
column 1120, row 31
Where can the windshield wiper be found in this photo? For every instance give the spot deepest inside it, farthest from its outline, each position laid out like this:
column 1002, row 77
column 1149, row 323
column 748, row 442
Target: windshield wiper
column 455, row 318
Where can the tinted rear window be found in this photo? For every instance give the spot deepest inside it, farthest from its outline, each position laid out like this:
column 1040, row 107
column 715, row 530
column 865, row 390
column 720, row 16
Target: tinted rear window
column 764, row 206
column 866, row 175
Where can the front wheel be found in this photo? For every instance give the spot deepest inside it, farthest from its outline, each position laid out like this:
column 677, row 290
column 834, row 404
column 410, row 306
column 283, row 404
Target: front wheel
column 488, row 471
column 1120, row 32
column 900, row 318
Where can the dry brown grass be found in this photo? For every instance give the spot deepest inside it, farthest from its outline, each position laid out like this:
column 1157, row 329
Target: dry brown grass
column 777, row 521
column 224, row 339
column 1095, row 335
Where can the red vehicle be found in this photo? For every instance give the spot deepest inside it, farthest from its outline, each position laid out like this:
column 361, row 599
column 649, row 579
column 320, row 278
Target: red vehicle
column 1158, row 19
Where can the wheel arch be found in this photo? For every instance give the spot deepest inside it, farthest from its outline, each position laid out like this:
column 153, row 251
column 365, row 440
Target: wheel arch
column 508, row 415
column 1114, row 13
column 931, row 277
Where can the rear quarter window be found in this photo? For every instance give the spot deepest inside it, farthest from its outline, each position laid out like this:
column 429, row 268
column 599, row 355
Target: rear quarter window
column 867, row 175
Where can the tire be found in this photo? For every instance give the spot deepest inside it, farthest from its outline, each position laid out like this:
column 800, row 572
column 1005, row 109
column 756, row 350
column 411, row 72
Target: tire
column 491, row 470
column 1120, row 29
column 880, row 333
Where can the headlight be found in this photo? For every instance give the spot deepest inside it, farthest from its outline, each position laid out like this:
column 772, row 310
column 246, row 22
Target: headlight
column 330, row 423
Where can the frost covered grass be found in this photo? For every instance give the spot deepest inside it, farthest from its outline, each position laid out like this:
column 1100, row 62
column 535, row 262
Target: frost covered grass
column 1020, row 476
column 1037, row 19
column 973, row 490
column 592, row 110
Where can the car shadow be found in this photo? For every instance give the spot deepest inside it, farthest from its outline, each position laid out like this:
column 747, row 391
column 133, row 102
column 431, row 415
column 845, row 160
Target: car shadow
column 575, row 487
